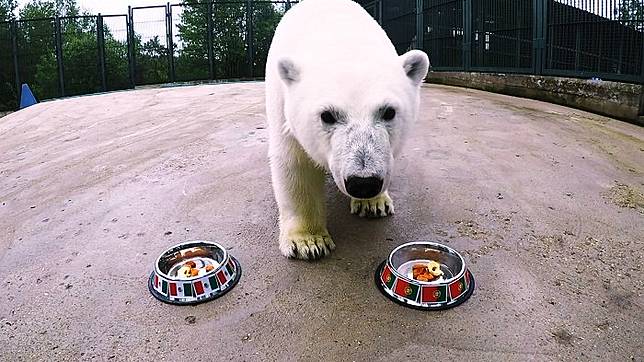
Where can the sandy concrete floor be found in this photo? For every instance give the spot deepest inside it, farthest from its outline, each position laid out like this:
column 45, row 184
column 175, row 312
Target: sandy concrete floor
column 544, row 201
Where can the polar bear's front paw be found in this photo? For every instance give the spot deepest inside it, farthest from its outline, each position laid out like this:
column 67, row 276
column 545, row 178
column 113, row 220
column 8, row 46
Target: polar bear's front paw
column 380, row 206
column 302, row 245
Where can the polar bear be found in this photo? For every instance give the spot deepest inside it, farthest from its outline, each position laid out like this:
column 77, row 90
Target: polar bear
column 339, row 99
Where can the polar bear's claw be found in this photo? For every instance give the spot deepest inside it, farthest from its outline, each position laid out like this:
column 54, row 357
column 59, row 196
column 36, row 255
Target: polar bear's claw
column 307, row 246
column 380, row 206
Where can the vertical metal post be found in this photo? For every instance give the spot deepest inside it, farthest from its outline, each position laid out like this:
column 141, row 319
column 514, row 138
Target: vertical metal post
column 467, row 35
column 249, row 37
column 170, row 41
column 539, row 27
column 380, row 12
column 621, row 57
column 14, row 50
column 642, row 77
column 211, row 61
column 288, row 5
column 577, row 48
column 59, row 56
column 100, row 42
column 598, row 59
column 517, row 35
column 419, row 25
column 130, row 46
column 548, row 39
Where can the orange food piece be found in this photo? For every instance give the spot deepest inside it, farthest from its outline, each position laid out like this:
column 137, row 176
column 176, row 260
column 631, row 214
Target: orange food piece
column 209, row 267
column 421, row 273
column 194, row 272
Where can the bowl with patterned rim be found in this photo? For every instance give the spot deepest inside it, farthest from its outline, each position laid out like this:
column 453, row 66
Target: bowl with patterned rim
column 425, row 275
column 193, row 272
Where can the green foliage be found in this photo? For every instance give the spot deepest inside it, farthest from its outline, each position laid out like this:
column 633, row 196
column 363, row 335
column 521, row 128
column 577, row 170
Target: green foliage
column 229, row 39
column 8, row 99
column 265, row 20
column 45, row 83
column 49, row 8
column 38, row 62
column 7, row 8
column 37, row 47
column 79, row 39
column 151, row 61
column 116, row 63
column 631, row 12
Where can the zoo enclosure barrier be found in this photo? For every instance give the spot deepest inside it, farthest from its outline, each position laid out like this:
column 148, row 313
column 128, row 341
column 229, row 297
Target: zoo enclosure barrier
column 229, row 40
column 68, row 56
column 601, row 39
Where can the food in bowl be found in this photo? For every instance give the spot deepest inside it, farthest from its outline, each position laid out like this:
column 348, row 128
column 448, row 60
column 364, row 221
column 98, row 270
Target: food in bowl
column 426, row 272
column 191, row 269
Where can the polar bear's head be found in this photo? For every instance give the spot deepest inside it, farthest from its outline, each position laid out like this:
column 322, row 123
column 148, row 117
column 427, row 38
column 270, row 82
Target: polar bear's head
column 351, row 116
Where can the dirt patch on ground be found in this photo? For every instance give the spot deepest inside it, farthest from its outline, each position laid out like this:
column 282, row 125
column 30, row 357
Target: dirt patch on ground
column 625, row 196
column 469, row 228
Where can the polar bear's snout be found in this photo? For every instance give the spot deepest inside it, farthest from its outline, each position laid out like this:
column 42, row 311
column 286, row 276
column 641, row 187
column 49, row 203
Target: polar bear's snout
column 363, row 187
column 361, row 157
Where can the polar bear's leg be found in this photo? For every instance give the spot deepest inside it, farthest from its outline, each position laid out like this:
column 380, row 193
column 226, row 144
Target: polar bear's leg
column 299, row 191
column 380, row 206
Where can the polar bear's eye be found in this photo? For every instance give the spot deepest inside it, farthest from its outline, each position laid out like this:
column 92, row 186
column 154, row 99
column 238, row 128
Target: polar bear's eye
column 389, row 114
column 328, row 117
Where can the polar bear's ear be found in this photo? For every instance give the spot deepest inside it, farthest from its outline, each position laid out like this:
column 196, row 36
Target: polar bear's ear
column 288, row 71
column 416, row 65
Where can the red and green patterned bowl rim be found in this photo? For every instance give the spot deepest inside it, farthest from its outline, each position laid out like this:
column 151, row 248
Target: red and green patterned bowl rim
column 198, row 289
column 425, row 296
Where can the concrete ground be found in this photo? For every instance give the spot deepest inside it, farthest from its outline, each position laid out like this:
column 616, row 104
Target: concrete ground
column 545, row 202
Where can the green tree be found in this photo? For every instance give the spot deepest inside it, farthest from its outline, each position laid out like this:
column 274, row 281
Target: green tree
column 151, row 61
column 81, row 66
column 8, row 97
column 265, row 20
column 49, row 8
column 631, row 12
column 229, row 37
column 116, row 62
column 36, row 44
column 7, row 9
column 37, row 56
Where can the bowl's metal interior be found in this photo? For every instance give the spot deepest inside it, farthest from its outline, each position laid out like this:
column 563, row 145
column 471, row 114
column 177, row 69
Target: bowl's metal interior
column 201, row 252
column 406, row 255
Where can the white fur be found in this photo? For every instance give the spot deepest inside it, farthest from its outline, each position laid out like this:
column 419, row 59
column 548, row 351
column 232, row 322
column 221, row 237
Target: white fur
column 331, row 53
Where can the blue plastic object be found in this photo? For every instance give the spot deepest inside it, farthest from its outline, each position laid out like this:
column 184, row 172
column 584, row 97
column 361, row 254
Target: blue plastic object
column 27, row 97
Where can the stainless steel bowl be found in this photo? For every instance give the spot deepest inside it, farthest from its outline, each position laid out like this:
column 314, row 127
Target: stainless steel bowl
column 394, row 279
column 218, row 272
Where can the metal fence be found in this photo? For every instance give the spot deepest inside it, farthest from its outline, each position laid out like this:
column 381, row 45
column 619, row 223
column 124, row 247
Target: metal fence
column 66, row 56
column 578, row 38
column 229, row 40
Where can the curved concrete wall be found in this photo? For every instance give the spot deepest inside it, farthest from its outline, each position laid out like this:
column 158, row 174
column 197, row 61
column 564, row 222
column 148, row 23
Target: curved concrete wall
column 619, row 100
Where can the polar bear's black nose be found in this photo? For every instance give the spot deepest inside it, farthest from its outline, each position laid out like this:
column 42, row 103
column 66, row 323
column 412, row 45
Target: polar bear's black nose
column 363, row 187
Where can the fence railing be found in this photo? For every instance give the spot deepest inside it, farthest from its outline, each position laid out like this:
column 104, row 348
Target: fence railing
column 229, row 40
column 66, row 56
column 578, row 38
